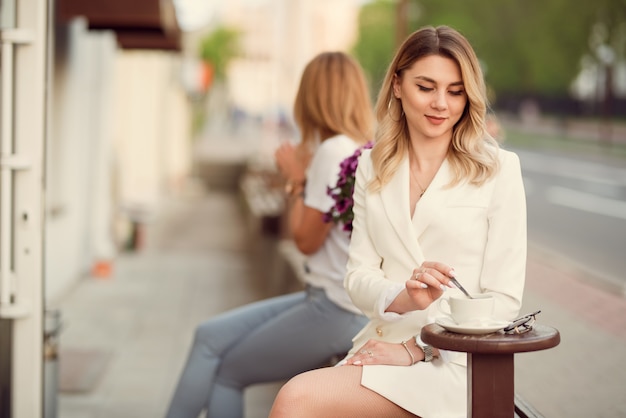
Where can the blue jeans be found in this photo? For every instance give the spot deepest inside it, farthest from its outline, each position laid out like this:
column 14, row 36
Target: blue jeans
column 266, row 341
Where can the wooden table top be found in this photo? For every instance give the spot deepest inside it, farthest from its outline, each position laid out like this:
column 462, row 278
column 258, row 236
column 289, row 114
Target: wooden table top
column 541, row 337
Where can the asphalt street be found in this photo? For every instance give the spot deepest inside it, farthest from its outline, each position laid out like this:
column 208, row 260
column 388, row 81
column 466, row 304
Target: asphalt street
column 577, row 212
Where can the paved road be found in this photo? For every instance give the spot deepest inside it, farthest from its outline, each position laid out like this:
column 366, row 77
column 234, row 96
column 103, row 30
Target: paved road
column 577, row 211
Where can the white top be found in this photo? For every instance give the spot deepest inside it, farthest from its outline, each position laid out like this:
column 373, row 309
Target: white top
column 327, row 267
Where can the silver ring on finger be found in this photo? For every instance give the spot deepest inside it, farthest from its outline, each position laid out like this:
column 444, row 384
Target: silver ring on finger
column 371, row 354
column 417, row 275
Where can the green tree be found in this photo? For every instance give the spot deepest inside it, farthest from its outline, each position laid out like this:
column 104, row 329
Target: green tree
column 219, row 48
column 531, row 46
column 607, row 43
column 526, row 47
column 376, row 43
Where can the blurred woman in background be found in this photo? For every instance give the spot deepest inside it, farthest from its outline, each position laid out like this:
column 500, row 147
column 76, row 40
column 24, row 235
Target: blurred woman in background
column 277, row 338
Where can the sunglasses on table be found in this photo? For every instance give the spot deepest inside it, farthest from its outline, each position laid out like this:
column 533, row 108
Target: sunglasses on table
column 522, row 324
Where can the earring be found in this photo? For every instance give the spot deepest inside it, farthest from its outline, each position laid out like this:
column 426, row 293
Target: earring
column 389, row 110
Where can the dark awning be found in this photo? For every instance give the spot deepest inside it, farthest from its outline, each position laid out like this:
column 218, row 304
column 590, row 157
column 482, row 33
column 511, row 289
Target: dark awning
column 138, row 24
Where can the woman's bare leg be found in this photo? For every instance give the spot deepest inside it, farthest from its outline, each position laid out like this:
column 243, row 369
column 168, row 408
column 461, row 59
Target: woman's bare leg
column 332, row 392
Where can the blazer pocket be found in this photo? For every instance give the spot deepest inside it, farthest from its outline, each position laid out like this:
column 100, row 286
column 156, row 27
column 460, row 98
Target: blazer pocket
column 464, row 217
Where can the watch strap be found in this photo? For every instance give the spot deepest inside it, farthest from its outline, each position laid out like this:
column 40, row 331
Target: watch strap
column 427, row 349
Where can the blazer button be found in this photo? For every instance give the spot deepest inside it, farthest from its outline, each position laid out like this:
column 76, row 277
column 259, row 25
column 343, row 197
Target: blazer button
column 379, row 331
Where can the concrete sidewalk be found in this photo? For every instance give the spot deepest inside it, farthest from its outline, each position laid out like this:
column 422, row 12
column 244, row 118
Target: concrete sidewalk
column 585, row 376
column 197, row 261
column 137, row 326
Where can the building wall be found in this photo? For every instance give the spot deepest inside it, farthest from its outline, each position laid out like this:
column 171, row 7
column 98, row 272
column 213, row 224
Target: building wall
column 119, row 141
column 77, row 199
column 279, row 38
column 152, row 130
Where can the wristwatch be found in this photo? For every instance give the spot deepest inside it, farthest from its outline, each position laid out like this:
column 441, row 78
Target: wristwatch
column 427, row 349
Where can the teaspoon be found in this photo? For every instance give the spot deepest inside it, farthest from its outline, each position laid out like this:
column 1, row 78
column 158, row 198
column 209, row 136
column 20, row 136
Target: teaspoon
column 457, row 284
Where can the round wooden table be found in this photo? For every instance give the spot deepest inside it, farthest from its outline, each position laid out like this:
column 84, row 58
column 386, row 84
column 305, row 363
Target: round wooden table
column 490, row 367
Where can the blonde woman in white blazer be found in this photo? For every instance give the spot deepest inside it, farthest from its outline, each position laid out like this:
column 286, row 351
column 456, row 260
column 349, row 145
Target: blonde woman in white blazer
column 435, row 198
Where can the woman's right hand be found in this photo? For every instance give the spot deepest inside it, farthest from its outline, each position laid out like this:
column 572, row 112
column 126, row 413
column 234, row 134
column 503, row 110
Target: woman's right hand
column 428, row 282
column 292, row 161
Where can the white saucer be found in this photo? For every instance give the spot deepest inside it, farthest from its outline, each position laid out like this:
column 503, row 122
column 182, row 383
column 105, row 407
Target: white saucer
column 486, row 328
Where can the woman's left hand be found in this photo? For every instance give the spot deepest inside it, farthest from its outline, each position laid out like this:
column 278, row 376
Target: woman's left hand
column 380, row 352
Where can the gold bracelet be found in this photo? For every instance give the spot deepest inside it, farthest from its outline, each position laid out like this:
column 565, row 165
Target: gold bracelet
column 294, row 187
column 408, row 351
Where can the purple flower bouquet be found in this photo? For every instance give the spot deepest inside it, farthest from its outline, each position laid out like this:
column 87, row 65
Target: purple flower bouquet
column 341, row 211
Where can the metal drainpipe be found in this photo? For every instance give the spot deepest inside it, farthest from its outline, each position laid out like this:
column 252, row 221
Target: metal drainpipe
column 6, row 355
column 52, row 327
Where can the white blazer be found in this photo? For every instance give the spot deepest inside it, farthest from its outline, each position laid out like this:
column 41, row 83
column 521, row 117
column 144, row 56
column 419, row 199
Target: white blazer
column 479, row 231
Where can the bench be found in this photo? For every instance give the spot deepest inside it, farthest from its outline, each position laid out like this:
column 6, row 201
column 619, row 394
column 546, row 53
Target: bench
column 277, row 253
column 524, row 410
column 292, row 269
column 262, row 196
column 264, row 200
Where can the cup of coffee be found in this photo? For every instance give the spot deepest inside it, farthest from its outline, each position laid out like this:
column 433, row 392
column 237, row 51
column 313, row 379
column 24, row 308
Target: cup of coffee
column 466, row 311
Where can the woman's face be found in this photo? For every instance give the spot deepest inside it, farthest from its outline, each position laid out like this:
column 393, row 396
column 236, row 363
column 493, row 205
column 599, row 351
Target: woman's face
column 432, row 95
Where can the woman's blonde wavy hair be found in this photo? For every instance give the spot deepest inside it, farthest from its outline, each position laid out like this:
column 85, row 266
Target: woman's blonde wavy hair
column 473, row 152
column 333, row 98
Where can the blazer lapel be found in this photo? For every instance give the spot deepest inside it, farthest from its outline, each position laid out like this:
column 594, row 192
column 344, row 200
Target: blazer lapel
column 435, row 198
column 395, row 199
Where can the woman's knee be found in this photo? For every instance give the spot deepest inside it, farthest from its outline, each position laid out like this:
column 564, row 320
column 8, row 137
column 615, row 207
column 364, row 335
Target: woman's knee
column 205, row 333
column 294, row 393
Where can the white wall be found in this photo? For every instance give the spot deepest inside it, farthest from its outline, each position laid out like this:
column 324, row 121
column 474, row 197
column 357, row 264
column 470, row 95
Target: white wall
column 120, row 138
column 152, row 130
column 78, row 201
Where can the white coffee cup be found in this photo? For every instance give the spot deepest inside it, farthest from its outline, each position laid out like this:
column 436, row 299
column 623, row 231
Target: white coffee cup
column 466, row 311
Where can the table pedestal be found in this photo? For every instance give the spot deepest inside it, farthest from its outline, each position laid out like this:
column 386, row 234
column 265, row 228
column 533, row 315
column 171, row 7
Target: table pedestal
column 490, row 385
